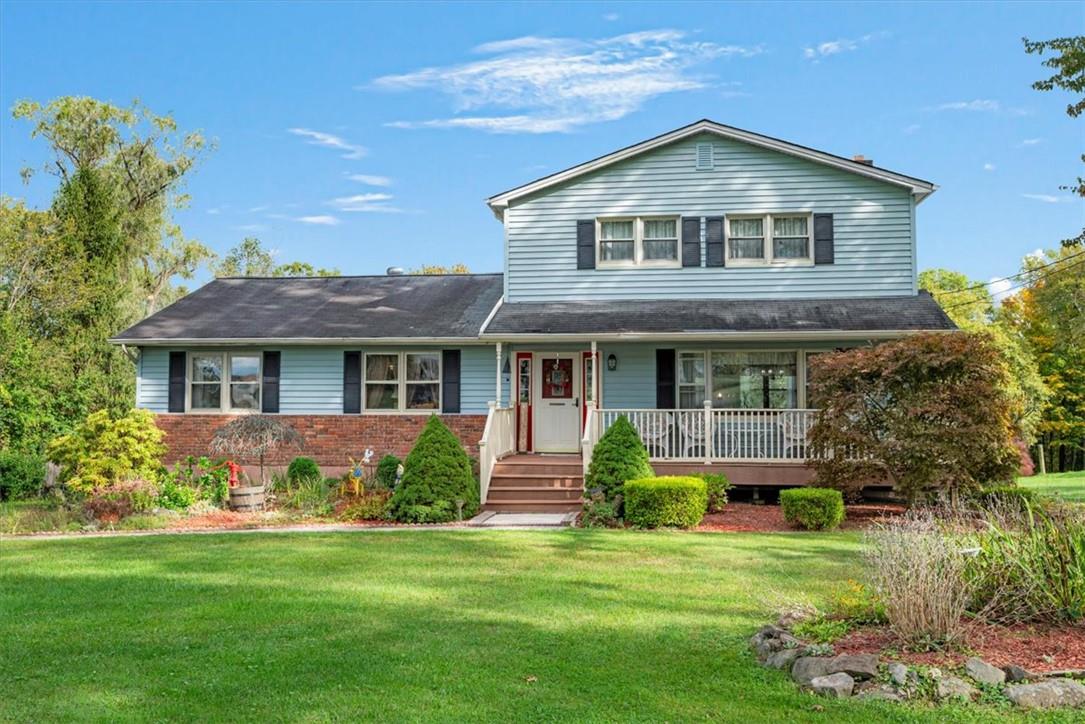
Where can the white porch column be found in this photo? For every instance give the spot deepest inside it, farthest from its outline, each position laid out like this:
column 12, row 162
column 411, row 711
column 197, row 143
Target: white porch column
column 497, row 393
column 709, row 433
column 597, row 373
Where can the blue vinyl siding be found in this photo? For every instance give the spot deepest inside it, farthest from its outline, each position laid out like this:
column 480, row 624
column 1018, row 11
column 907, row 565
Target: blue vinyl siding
column 873, row 220
column 152, row 386
column 311, row 379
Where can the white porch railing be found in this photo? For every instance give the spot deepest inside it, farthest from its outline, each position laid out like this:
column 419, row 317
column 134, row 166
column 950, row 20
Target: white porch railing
column 591, row 436
column 716, row 435
column 498, row 440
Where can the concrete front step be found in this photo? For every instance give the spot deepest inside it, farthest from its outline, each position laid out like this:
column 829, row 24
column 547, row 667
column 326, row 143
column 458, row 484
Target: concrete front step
column 501, row 493
column 531, row 506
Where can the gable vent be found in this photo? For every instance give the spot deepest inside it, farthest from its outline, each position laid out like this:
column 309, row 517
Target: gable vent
column 704, row 156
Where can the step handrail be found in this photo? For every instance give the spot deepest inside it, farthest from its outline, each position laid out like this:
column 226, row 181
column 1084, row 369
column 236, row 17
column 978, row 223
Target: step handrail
column 498, row 440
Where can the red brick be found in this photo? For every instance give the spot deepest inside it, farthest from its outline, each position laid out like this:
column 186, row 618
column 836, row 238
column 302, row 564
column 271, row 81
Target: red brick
column 329, row 439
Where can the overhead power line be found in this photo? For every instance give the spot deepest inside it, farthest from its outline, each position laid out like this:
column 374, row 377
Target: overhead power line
column 983, row 285
column 1020, row 286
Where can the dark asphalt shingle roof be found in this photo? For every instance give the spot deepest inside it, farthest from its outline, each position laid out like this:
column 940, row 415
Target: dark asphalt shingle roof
column 453, row 305
column 920, row 312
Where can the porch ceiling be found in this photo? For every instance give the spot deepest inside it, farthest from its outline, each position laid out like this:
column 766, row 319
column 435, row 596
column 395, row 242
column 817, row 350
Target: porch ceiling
column 721, row 316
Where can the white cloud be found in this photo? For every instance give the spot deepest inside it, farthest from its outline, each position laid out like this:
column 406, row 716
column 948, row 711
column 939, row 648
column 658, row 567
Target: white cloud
column 214, row 211
column 546, row 85
column 1031, row 141
column 911, row 129
column 323, row 220
column 369, row 180
column 251, row 227
column 999, row 289
column 365, row 203
column 256, row 209
column 611, row 17
column 329, row 140
column 1046, row 198
column 980, row 104
column 988, row 166
column 841, row 45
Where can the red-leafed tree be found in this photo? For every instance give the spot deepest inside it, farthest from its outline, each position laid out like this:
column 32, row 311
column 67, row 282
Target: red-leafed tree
column 927, row 414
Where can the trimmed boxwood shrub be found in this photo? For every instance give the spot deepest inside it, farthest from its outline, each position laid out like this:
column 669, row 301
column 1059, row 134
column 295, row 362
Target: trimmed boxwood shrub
column 386, row 471
column 618, row 456
column 717, row 485
column 21, row 475
column 302, row 468
column 813, row 508
column 666, row 501
column 437, row 484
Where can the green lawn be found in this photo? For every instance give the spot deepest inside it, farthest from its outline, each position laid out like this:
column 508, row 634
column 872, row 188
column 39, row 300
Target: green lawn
column 415, row 625
column 1070, row 486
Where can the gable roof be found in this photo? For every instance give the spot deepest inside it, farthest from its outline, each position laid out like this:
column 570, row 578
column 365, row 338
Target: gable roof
column 236, row 310
column 854, row 317
column 920, row 188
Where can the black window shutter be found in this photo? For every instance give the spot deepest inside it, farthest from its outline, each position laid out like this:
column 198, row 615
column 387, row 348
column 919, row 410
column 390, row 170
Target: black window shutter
column 352, row 382
column 177, row 382
column 714, row 241
column 823, row 239
column 691, row 241
column 270, row 391
column 585, row 244
column 450, row 380
column 665, row 379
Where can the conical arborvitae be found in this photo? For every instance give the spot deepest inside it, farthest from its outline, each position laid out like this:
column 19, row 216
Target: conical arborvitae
column 437, row 480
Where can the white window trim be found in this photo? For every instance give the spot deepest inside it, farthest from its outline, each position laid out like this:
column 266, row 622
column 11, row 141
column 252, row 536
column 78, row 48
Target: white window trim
column 224, row 384
column 800, row 374
column 638, row 259
column 679, row 384
column 766, row 241
column 401, row 382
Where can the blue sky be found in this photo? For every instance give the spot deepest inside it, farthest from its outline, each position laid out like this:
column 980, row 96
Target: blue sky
column 362, row 136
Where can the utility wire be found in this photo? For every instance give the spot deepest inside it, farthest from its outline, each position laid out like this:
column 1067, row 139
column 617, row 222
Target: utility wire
column 1012, row 276
column 1018, row 286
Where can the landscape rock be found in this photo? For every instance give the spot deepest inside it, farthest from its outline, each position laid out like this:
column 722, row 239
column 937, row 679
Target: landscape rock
column 807, row 668
column 1015, row 673
column 983, row 672
column 1047, row 694
column 901, row 675
column 951, row 687
column 783, row 659
column 771, row 639
column 859, row 666
column 838, row 686
column 881, row 692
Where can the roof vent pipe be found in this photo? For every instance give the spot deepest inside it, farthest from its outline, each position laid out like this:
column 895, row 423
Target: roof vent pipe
column 395, row 271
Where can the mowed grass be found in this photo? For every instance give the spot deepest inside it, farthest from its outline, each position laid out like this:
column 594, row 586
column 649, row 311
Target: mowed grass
column 415, row 625
column 1068, row 486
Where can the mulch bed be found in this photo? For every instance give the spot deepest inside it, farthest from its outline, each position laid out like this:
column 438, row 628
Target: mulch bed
column 1038, row 648
column 749, row 518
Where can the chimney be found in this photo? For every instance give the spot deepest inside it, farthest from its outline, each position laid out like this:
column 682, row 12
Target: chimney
column 863, row 160
column 395, row 271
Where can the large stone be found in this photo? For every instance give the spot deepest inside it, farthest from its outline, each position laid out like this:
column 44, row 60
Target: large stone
column 898, row 674
column 838, row 686
column 771, row 639
column 1047, row 694
column 880, row 692
column 1015, row 674
column 951, row 687
column 807, row 668
column 859, row 666
column 983, row 672
column 783, row 659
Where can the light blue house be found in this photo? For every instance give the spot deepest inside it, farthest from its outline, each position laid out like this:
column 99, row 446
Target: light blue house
column 683, row 281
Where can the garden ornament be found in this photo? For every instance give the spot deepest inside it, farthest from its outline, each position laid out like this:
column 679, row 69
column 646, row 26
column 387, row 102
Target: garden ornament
column 399, row 473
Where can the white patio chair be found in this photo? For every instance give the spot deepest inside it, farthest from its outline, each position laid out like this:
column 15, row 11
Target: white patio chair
column 693, row 439
column 655, row 434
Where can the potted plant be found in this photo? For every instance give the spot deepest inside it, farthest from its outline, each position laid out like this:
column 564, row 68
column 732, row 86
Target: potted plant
column 253, row 437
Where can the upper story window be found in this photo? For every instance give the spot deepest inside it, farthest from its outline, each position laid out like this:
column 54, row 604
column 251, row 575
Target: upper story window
column 768, row 239
column 403, row 381
column 638, row 241
column 224, row 382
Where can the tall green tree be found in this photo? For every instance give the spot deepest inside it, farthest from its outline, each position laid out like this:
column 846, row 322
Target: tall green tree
column 972, row 308
column 251, row 259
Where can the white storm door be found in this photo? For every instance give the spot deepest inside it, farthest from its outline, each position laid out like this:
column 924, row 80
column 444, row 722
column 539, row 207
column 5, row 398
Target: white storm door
column 557, row 402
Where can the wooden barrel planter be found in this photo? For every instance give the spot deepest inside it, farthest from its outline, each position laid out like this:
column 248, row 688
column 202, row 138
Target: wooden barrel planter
column 247, row 499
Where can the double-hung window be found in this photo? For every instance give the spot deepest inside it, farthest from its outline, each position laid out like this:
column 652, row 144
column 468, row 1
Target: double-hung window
column 768, row 239
column 638, row 241
column 691, row 380
column 402, row 381
column 224, row 381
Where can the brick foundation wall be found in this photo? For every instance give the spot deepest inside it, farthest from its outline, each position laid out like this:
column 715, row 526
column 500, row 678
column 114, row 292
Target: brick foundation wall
column 329, row 439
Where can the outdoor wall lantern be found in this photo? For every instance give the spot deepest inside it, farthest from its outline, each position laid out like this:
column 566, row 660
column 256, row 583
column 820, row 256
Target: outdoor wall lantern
column 612, row 362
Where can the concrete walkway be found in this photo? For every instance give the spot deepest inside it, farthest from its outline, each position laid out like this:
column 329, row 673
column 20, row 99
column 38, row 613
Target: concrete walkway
column 522, row 520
